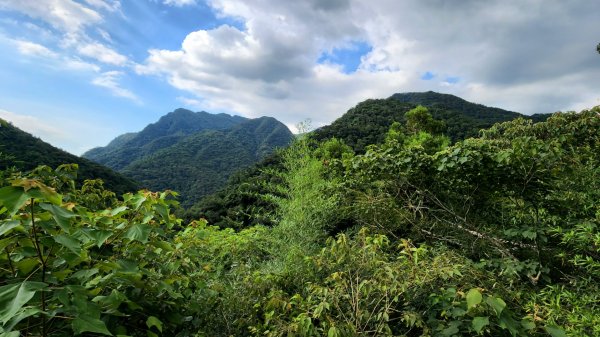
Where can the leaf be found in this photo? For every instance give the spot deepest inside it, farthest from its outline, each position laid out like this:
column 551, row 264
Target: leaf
column 497, row 303
column 60, row 215
column 527, row 324
column 89, row 324
column 479, row 323
column 99, row 236
column 555, row 331
column 7, row 226
column 14, row 296
column 154, row 322
column 138, row 232
column 118, row 210
column 67, row 241
column 333, row 332
column 473, row 298
column 13, row 198
column 10, row 334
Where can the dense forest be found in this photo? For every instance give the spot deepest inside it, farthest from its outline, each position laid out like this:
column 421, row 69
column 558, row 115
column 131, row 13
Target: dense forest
column 21, row 150
column 199, row 150
column 415, row 233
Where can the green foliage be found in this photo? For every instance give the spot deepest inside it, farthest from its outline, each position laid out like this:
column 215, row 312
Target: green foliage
column 73, row 269
column 24, row 152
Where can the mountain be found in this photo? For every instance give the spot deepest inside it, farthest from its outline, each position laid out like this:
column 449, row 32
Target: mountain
column 169, row 130
column 239, row 204
column 193, row 153
column 368, row 122
column 26, row 152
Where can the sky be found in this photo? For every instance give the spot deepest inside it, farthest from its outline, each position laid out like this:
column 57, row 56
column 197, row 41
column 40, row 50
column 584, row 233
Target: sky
column 78, row 73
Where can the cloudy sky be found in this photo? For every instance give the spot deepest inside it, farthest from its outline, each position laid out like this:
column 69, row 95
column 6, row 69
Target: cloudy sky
column 77, row 73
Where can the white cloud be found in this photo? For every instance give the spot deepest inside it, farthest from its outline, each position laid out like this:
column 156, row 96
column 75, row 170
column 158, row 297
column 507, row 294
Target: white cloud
column 102, row 53
column 34, row 49
column 110, row 81
column 33, row 125
column 179, row 3
column 527, row 56
column 109, row 5
column 64, row 15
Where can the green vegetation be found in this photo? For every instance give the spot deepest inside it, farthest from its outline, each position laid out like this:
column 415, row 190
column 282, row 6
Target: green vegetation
column 25, row 152
column 493, row 236
column 368, row 122
column 192, row 153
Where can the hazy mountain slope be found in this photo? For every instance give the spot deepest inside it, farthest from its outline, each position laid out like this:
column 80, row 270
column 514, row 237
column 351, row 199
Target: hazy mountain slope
column 168, row 130
column 26, row 152
column 201, row 163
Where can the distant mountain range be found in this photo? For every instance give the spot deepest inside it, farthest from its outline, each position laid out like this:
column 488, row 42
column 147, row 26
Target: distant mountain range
column 24, row 151
column 193, row 153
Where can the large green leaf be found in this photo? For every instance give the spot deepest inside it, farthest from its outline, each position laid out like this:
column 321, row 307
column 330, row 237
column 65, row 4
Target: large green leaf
column 154, row 322
column 89, row 324
column 497, row 303
column 99, row 236
column 479, row 323
column 473, row 298
column 13, row 198
column 555, row 331
column 14, row 296
column 7, row 226
column 69, row 242
column 138, row 232
column 60, row 215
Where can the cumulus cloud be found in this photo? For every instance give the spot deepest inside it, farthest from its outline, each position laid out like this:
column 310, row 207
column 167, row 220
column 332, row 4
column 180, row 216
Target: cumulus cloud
column 527, row 56
column 110, row 81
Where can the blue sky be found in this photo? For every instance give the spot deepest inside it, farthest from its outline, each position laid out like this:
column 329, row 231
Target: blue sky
column 78, row 73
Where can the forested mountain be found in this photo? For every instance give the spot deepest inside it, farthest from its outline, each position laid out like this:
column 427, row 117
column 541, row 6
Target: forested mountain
column 201, row 163
column 368, row 121
column 25, row 152
column 169, row 129
column 496, row 235
column 240, row 204
column 193, row 153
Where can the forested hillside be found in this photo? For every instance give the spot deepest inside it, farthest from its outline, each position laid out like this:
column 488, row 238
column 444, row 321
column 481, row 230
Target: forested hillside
column 368, row 121
column 168, row 130
column 201, row 163
column 25, row 152
column 193, row 153
column 417, row 236
column 240, row 203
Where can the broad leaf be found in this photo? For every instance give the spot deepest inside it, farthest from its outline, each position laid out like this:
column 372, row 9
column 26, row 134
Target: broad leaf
column 555, row 331
column 154, row 322
column 89, row 324
column 68, row 242
column 497, row 303
column 13, row 198
column 99, row 236
column 473, row 298
column 138, row 232
column 14, row 296
column 60, row 215
column 479, row 323
column 7, row 226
